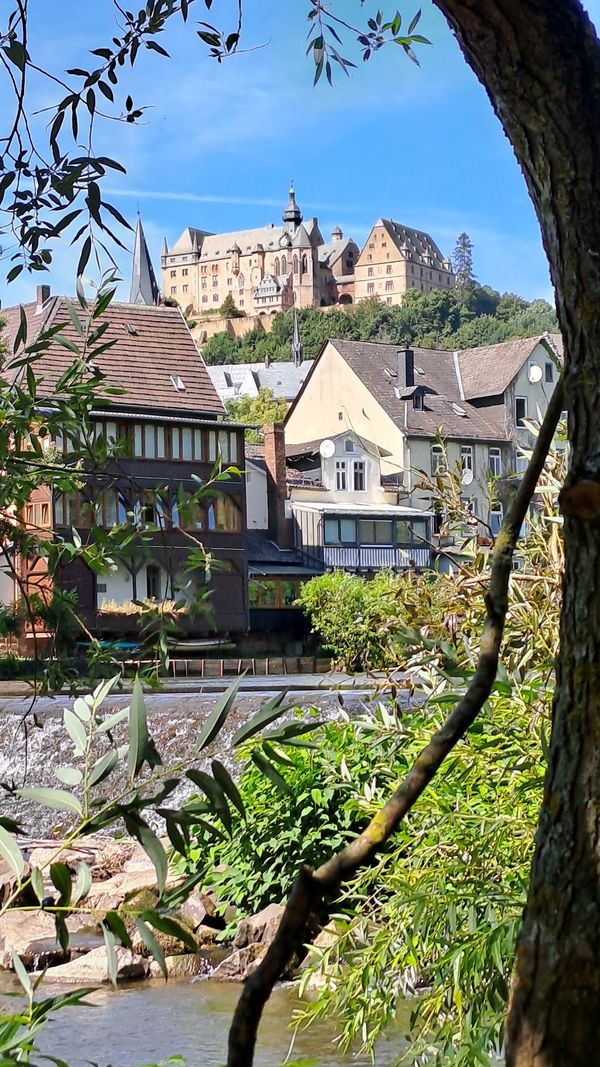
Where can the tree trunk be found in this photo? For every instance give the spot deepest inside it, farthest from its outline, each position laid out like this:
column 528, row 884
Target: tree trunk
column 539, row 61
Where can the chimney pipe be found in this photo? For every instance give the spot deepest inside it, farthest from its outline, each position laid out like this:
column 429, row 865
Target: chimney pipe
column 42, row 293
column 406, row 365
column 280, row 527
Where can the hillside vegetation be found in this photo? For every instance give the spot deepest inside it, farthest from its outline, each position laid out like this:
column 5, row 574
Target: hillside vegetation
column 438, row 319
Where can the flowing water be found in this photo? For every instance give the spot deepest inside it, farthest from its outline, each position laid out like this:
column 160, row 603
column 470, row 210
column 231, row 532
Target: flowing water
column 147, row 1023
column 31, row 748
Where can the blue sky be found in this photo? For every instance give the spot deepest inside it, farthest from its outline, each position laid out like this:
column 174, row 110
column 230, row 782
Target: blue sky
column 219, row 144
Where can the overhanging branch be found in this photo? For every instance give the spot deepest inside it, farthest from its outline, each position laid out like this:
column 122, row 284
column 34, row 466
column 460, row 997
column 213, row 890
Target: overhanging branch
column 311, row 886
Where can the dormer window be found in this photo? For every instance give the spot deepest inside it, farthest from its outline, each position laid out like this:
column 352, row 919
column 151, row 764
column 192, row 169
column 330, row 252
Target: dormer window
column 418, row 402
column 349, row 446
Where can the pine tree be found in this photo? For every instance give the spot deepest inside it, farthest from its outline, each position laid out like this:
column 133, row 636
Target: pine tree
column 462, row 261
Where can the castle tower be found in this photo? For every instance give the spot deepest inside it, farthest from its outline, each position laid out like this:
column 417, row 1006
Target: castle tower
column 292, row 216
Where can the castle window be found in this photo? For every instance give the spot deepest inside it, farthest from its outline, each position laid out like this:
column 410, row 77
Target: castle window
column 215, row 282
column 370, row 272
column 205, row 300
column 173, row 290
column 304, row 264
column 204, row 283
column 389, row 285
column 369, row 256
column 240, row 281
column 185, row 288
column 371, row 287
column 230, row 281
column 184, row 272
column 215, row 298
column 295, row 264
column 276, row 265
column 173, row 273
column 388, row 269
column 284, row 266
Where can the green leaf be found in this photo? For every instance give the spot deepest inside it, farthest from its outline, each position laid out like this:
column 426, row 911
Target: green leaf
column 271, row 773
column 268, row 713
column 75, row 730
column 216, row 796
column 111, row 955
column 68, row 775
column 21, row 973
column 37, row 883
column 115, row 923
column 138, row 730
column 103, row 767
column 152, row 944
column 61, row 878
column 82, row 709
column 224, row 779
column 151, row 846
column 58, row 799
column 11, row 853
column 169, row 926
column 83, row 882
column 112, row 721
column 103, row 689
column 217, row 717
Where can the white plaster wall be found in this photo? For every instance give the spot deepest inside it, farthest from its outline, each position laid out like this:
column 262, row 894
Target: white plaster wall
column 7, row 587
column 257, row 514
column 371, row 493
column 119, row 584
column 334, row 400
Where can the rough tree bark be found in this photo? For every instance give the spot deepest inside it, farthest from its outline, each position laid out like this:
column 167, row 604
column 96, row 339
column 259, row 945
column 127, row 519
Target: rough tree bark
column 539, row 61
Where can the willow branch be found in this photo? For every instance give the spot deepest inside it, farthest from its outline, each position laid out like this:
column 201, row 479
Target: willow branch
column 311, row 886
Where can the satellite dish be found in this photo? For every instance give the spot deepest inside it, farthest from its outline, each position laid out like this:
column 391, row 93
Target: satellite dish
column 467, row 476
column 534, row 373
column 327, row 449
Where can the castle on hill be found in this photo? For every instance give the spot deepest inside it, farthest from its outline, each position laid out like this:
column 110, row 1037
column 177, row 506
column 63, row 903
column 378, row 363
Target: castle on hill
column 276, row 267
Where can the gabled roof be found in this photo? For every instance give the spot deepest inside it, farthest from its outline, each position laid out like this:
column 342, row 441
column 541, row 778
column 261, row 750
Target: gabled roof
column 153, row 349
column 380, row 367
column 330, row 253
column 489, row 369
column 283, row 378
column 415, row 243
column 301, row 238
column 190, row 240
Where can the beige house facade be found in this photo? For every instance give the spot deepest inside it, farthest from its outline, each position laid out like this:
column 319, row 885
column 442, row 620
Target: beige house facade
column 402, row 400
column 397, row 258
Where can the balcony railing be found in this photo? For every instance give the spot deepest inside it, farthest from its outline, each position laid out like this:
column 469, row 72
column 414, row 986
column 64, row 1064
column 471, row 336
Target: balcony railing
column 377, row 557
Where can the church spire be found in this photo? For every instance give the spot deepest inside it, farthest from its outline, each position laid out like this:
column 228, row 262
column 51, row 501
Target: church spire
column 297, row 346
column 144, row 289
column 292, row 216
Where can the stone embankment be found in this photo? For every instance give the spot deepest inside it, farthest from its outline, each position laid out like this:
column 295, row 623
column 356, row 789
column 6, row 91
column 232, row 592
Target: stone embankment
column 123, row 880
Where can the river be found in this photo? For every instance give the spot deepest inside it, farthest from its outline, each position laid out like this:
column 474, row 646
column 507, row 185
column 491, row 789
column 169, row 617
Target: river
column 144, row 1024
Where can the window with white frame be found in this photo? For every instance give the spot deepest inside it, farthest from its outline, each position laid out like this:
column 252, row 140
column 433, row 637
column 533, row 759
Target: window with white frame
column 495, row 518
column 467, row 462
column 358, row 476
column 520, row 410
column 341, row 481
column 438, row 464
column 349, row 445
column 495, row 462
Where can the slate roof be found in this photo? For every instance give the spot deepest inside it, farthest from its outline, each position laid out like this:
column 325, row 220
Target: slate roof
column 284, row 378
column 330, row 253
column 416, row 243
column 144, row 288
column 381, row 369
column 489, row 369
column 151, row 345
column 261, row 550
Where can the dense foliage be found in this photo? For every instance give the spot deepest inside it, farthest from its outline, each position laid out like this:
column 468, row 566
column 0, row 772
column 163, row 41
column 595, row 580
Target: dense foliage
column 457, row 319
column 257, row 411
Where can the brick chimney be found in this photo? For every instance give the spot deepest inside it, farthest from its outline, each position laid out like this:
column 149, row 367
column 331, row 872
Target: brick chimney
column 42, row 293
column 280, row 527
column 406, row 366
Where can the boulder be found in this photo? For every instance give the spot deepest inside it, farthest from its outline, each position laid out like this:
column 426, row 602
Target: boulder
column 205, row 935
column 200, row 909
column 241, row 963
column 189, row 966
column 171, row 946
column 92, row 968
column 260, row 928
column 32, row 936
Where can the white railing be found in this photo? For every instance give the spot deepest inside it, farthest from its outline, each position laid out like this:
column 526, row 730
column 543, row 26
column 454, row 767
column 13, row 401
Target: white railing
column 376, row 557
